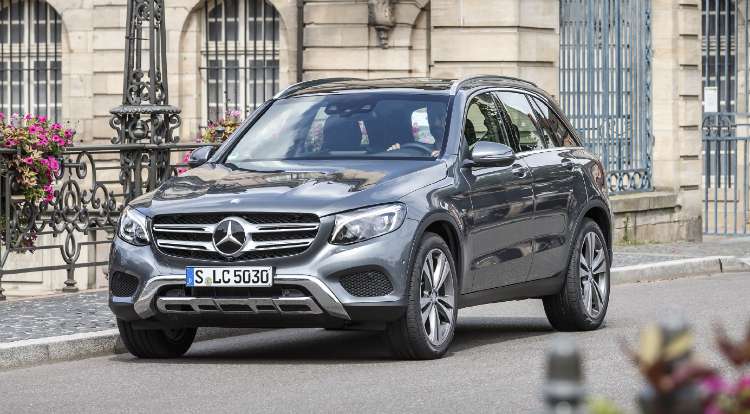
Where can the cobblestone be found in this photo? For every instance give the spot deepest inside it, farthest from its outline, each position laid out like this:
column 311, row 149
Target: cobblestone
column 54, row 316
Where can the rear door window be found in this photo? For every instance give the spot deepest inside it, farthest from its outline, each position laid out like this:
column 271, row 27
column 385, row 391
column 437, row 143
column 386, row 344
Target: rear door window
column 561, row 135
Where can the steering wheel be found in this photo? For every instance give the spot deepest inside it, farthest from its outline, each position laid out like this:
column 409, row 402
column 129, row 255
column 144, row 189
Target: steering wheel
column 427, row 149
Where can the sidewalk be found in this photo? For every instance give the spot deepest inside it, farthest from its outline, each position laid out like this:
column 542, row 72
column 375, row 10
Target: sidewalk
column 69, row 320
column 628, row 255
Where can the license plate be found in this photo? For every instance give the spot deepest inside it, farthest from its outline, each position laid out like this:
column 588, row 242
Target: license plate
column 259, row 276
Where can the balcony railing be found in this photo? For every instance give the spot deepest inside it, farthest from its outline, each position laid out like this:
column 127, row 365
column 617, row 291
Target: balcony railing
column 94, row 183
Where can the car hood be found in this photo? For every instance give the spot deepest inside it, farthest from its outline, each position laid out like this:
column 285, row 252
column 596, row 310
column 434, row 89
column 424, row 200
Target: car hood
column 321, row 187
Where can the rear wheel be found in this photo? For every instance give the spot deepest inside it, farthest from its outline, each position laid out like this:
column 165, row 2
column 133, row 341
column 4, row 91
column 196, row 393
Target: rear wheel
column 582, row 303
column 427, row 328
column 156, row 343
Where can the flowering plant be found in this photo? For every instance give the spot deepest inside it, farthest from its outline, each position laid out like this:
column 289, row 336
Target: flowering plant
column 39, row 145
column 216, row 132
column 730, row 396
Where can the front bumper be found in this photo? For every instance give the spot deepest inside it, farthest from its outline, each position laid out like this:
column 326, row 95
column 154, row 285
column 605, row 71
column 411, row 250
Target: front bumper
column 316, row 273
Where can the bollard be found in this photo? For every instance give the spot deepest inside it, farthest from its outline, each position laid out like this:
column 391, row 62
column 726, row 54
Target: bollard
column 564, row 391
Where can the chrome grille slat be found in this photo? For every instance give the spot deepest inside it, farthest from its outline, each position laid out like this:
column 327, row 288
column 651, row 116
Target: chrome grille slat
column 186, row 245
column 278, row 234
column 279, row 228
column 279, row 244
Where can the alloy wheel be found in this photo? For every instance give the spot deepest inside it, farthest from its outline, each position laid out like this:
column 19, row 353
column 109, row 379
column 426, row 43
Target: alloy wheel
column 594, row 274
column 438, row 297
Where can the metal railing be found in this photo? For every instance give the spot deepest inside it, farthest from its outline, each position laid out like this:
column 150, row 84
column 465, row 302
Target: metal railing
column 726, row 117
column 605, row 84
column 94, row 183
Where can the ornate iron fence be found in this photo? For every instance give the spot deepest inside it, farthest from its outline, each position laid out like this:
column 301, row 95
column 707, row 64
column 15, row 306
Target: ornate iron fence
column 93, row 185
column 605, row 84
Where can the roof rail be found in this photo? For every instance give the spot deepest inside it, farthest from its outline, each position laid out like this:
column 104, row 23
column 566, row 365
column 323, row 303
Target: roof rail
column 309, row 84
column 457, row 84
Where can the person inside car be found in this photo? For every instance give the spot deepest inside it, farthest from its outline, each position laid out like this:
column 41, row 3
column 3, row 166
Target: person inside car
column 436, row 116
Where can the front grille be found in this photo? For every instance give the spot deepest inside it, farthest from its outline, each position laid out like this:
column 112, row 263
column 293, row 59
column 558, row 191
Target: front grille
column 270, row 235
column 367, row 284
column 123, row 284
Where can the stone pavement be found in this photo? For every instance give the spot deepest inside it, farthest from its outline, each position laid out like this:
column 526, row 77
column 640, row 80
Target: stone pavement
column 66, row 314
column 62, row 314
column 627, row 255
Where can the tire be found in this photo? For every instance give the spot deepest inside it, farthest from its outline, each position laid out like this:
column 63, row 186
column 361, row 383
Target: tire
column 155, row 343
column 572, row 309
column 416, row 336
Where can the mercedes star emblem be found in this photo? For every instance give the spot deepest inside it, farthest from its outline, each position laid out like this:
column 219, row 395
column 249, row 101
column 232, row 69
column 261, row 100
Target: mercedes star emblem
column 229, row 237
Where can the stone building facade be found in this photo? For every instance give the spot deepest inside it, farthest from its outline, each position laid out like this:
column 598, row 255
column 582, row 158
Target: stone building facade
column 310, row 39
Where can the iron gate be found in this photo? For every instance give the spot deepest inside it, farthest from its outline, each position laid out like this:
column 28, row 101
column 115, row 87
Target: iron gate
column 726, row 121
column 605, row 84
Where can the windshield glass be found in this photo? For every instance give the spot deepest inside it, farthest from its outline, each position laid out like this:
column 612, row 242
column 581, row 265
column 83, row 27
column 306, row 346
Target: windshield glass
column 356, row 125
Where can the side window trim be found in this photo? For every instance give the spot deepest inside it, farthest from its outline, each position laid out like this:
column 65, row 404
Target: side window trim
column 502, row 111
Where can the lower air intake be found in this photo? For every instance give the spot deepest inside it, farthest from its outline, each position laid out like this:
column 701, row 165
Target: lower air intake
column 367, row 284
column 123, row 284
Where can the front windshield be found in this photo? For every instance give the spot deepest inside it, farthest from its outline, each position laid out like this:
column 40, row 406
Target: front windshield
column 353, row 125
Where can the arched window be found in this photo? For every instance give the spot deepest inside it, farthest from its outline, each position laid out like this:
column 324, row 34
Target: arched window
column 30, row 58
column 240, row 55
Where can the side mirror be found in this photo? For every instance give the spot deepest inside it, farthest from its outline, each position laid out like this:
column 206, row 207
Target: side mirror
column 487, row 153
column 199, row 156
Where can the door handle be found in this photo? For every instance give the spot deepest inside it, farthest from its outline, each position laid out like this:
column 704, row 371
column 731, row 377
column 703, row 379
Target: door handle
column 519, row 170
column 567, row 163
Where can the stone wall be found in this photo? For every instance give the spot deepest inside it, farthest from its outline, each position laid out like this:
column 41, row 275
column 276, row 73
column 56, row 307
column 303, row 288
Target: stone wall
column 505, row 37
column 676, row 76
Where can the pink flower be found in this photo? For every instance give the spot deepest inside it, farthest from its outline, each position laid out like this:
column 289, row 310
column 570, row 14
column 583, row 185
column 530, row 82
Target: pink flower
column 69, row 133
column 56, row 126
column 28, row 160
column 42, row 119
column 58, row 140
column 54, row 165
column 27, row 117
column 715, row 384
column 44, row 161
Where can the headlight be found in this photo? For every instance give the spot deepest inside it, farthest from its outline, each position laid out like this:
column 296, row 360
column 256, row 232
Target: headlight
column 132, row 227
column 359, row 225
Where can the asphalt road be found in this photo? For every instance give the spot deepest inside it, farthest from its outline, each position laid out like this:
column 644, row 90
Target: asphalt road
column 496, row 363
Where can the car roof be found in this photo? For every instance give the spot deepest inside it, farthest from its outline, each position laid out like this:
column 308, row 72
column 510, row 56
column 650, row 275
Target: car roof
column 447, row 86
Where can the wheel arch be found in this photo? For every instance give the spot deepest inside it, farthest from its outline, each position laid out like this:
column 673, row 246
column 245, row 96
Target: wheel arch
column 446, row 226
column 599, row 212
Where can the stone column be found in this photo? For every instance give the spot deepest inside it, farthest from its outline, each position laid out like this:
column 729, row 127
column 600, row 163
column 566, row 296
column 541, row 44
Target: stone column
column 504, row 37
column 108, row 25
column 676, row 77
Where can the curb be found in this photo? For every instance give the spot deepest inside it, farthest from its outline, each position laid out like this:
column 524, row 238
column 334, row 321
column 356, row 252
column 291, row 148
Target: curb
column 87, row 345
column 674, row 269
column 84, row 345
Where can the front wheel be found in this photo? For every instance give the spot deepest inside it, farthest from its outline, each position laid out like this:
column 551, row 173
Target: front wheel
column 427, row 328
column 155, row 343
column 582, row 303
